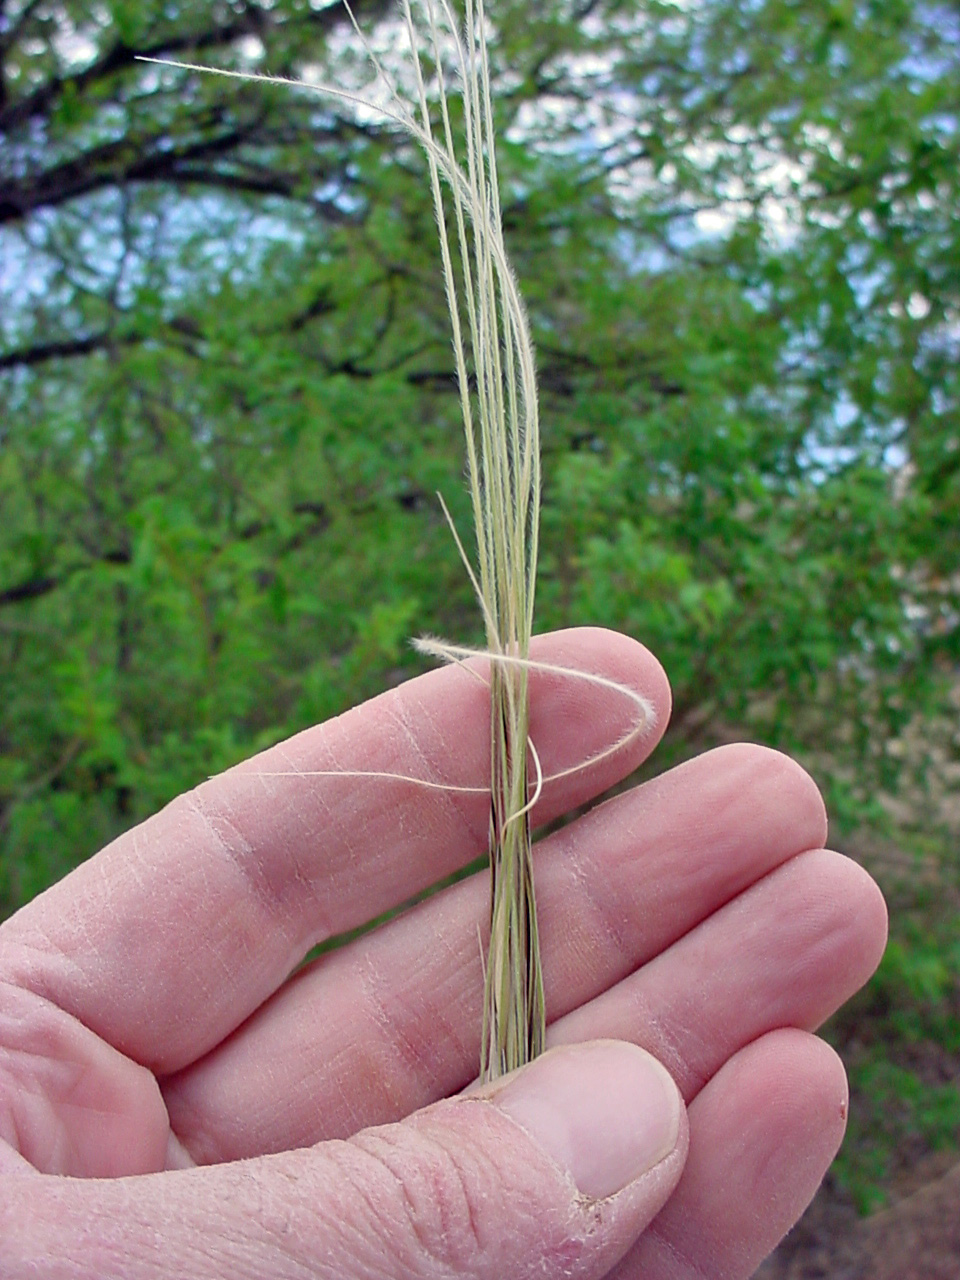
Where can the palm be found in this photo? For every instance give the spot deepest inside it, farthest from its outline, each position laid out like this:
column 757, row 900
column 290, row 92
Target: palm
column 697, row 916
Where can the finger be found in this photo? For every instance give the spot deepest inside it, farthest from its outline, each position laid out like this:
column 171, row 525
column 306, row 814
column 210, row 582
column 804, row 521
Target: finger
column 614, row 890
column 554, row 1170
column 786, row 953
column 762, row 1135
column 70, row 1103
column 172, row 936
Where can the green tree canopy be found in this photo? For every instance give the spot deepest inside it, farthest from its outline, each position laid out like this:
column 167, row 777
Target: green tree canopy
column 228, row 392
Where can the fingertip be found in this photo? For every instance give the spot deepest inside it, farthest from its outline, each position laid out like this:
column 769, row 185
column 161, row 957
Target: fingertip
column 635, row 706
column 802, row 1090
column 868, row 916
column 793, row 799
column 763, row 1133
column 615, row 655
column 818, row 1087
column 838, row 922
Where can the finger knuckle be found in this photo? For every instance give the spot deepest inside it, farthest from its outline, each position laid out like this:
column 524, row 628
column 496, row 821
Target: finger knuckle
column 432, row 1203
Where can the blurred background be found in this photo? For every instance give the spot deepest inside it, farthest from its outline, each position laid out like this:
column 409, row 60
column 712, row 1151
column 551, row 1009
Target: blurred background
column 227, row 400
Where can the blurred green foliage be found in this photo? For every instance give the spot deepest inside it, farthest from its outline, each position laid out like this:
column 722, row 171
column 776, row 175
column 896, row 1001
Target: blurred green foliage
column 228, row 401
column 900, row 1038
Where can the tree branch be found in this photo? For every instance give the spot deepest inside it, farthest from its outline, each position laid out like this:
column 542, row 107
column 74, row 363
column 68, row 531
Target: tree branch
column 28, row 590
column 121, row 56
column 111, row 165
column 107, row 166
column 66, row 349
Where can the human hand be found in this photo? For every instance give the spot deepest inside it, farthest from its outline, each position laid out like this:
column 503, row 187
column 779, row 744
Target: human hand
column 219, row 1118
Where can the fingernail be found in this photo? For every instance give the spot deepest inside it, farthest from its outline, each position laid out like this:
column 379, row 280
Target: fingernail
column 606, row 1111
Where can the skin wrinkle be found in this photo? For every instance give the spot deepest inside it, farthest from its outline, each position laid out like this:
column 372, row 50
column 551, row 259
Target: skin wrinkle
column 420, row 1044
column 427, row 1052
column 686, row 1265
column 35, row 962
column 241, row 928
column 303, row 882
column 19, row 1127
column 392, row 1032
column 435, row 1216
column 26, row 964
column 333, row 815
column 382, row 1088
column 421, row 1040
column 435, row 1040
column 371, row 1238
column 474, row 1222
column 615, row 932
column 312, row 923
column 653, row 1034
column 137, row 862
column 445, row 961
column 56, row 1029
column 561, row 1223
column 341, row 1074
column 405, row 718
column 340, row 813
column 228, row 840
column 54, row 1060
column 370, row 861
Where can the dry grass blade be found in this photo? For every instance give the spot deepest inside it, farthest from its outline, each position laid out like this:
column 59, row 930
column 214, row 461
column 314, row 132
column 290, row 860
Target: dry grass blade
column 503, row 455
column 503, row 461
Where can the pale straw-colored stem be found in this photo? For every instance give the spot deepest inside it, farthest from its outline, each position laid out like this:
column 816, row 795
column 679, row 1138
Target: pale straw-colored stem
column 503, row 465
column 501, row 427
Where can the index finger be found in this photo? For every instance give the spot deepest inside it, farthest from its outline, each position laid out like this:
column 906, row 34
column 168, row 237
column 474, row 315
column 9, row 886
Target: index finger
column 174, row 934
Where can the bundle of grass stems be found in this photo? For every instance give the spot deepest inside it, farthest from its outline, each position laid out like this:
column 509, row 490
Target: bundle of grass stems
column 501, row 428
column 497, row 380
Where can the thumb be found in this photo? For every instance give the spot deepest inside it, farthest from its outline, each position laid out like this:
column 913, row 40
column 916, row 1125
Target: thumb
column 553, row 1170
